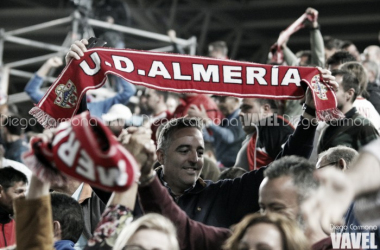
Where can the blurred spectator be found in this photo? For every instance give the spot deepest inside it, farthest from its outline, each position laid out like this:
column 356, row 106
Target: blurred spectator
column 117, row 118
column 229, row 135
column 272, row 231
column 351, row 48
column 354, row 130
column 156, row 102
column 266, row 132
column 338, row 59
column 172, row 102
column 218, row 50
column 11, row 132
column 332, row 45
column 13, row 184
column 96, row 108
column 372, row 53
column 373, row 88
column 14, row 164
column 364, row 107
column 187, row 100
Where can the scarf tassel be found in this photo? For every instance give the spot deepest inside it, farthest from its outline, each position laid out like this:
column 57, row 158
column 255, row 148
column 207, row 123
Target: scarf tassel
column 329, row 114
column 43, row 118
column 42, row 172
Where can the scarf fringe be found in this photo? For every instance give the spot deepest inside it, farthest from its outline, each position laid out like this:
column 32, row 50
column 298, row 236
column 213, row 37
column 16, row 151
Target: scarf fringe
column 43, row 118
column 329, row 114
column 43, row 173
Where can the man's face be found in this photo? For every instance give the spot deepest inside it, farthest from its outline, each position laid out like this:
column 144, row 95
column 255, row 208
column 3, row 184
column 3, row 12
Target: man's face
column 279, row 195
column 341, row 95
column 7, row 196
column 183, row 159
column 250, row 113
column 116, row 126
column 217, row 54
column 152, row 98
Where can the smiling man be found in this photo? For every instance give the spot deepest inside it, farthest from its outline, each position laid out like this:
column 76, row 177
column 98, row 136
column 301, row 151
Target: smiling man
column 180, row 150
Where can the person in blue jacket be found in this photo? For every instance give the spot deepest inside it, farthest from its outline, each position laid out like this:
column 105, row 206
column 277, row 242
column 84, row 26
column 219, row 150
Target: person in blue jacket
column 96, row 108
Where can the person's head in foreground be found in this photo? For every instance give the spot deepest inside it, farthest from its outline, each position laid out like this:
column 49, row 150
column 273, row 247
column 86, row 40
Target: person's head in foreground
column 339, row 157
column 266, row 232
column 152, row 231
column 287, row 183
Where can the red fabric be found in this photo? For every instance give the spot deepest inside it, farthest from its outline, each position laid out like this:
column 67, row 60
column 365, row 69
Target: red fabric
column 8, row 231
column 179, row 73
column 211, row 108
column 262, row 159
column 86, row 150
column 276, row 49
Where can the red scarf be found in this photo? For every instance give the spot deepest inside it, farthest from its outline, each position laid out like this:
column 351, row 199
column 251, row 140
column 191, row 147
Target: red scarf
column 276, row 49
column 86, row 150
column 179, row 73
column 258, row 158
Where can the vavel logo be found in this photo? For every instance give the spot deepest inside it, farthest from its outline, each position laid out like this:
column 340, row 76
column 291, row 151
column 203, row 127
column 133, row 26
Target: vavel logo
column 353, row 241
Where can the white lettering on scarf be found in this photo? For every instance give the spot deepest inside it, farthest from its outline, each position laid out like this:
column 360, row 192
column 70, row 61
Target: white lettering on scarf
column 86, row 68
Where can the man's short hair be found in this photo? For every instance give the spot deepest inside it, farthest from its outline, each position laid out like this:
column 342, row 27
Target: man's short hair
column 340, row 57
column 13, row 124
column 346, row 44
column 299, row 169
column 333, row 155
column 220, row 46
column 332, row 43
column 176, row 124
column 272, row 103
column 349, row 80
column 359, row 71
column 9, row 176
column 68, row 212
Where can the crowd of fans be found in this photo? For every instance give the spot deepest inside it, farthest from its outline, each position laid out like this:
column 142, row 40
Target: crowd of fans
column 216, row 172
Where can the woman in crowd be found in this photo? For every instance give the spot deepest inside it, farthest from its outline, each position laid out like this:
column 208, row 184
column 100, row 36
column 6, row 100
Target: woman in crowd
column 266, row 232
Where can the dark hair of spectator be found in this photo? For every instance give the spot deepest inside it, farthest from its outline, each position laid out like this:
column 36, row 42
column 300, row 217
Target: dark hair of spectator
column 332, row 43
column 68, row 212
column 13, row 124
column 299, row 169
column 340, row 57
column 349, row 80
column 9, row 176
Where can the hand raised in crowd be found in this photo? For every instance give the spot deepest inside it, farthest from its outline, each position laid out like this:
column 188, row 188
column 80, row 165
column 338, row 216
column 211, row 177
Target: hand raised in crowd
column 76, row 50
column 54, row 61
column 194, row 111
column 138, row 142
column 312, row 16
column 331, row 200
